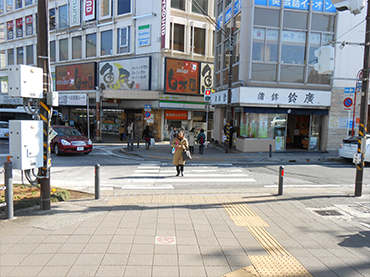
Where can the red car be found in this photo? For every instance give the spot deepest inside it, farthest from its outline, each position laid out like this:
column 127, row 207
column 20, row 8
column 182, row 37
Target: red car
column 69, row 140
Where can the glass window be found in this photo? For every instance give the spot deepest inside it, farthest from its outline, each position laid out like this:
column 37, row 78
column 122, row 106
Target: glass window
column 10, row 29
column 10, row 56
column 19, row 27
column 316, row 78
column 2, row 32
column 266, row 17
column 63, row 49
column 200, row 6
column 28, row 2
column 295, row 20
column 219, row 8
column 9, row 5
column 178, row 4
column 29, row 54
column 265, row 44
column 199, row 40
column 106, row 43
column 2, row 59
column 264, row 72
column 124, row 6
column 322, row 22
column 29, row 25
column 291, row 74
column 293, row 47
column 52, row 51
column 178, row 42
column 51, row 19
column 2, row 10
column 77, row 47
column 218, row 58
column 123, row 40
column 63, row 17
column 20, row 55
column 226, row 54
column 18, row 4
column 91, row 45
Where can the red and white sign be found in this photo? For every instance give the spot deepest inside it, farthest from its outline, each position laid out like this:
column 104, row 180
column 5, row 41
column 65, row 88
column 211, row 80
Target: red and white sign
column 165, row 240
column 176, row 115
column 163, row 23
column 88, row 12
column 347, row 103
column 19, row 22
column 10, row 25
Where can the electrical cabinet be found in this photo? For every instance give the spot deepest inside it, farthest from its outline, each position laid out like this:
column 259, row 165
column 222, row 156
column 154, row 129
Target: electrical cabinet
column 26, row 143
column 25, row 81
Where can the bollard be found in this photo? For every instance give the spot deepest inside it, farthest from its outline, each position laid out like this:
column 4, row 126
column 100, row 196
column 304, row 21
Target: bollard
column 138, row 141
column 132, row 143
column 128, row 143
column 97, row 181
column 270, row 151
column 8, row 180
column 281, row 180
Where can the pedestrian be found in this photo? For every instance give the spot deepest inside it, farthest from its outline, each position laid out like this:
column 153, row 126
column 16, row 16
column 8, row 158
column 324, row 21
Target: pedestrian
column 146, row 136
column 180, row 144
column 201, row 139
column 173, row 135
column 121, row 131
column 191, row 139
column 92, row 129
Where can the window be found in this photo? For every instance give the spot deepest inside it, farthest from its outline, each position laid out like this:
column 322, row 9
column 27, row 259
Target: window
column 266, row 17
column 10, row 27
column 264, row 72
column 63, row 49
column 2, row 32
column 265, row 44
column 178, row 35
column 77, row 47
column 123, row 40
column 2, row 10
column 322, row 22
column 9, row 5
column 295, row 20
column 178, row 4
column 18, row 4
column 294, row 47
column 20, row 55
column 51, row 19
column 27, row 2
column 199, row 40
column 90, row 45
column 2, row 59
column 29, row 25
column 63, row 17
column 52, row 51
column 106, row 43
column 10, row 56
column 201, row 8
column 19, row 27
column 124, row 6
column 29, row 54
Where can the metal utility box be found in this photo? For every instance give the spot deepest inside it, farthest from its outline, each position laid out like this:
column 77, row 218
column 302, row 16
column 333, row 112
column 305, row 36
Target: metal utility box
column 25, row 81
column 26, row 143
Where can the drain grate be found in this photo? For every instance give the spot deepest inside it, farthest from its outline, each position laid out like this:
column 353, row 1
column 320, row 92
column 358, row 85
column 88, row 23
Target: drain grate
column 328, row 212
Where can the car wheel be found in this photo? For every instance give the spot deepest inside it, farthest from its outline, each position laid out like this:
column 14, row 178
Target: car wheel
column 56, row 149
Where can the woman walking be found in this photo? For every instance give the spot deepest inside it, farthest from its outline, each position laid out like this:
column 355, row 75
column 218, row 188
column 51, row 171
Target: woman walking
column 146, row 135
column 180, row 144
column 191, row 139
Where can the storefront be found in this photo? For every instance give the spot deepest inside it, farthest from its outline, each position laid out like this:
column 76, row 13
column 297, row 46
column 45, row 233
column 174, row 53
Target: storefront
column 286, row 119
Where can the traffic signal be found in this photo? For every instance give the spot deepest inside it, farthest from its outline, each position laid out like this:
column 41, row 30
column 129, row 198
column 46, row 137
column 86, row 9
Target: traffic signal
column 207, row 95
column 355, row 6
column 325, row 58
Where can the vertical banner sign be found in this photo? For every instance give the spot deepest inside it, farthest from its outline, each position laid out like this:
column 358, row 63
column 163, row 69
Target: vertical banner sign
column 10, row 26
column 206, row 77
column 75, row 13
column 105, row 9
column 164, row 24
column 182, row 76
column 19, row 27
column 88, row 10
column 29, row 25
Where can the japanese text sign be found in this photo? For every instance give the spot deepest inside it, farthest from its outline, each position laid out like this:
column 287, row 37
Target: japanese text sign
column 182, row 76
column 75, row 77
column 178, row 115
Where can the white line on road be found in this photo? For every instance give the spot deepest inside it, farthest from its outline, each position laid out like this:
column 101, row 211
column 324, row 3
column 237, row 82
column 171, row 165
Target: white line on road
column 191, row 180
column 302, row 186
column 189, row 175
column 164, row 186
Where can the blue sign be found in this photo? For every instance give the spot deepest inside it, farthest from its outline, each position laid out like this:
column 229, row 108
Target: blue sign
column 349, row 90
column 317, row 5
column 237, row 6
column 359, row 86
column 275, row 3
column 329, row 7
column 228, row 14
column 260, row 2
column 298, row 5
column 147, row 107
column 348, row 102
column 219, row 21
column 147, row 114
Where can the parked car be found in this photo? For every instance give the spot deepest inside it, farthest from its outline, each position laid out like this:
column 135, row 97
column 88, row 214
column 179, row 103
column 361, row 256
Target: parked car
column 69, row 140
column 4, row 129
column 278, row 121
column 349, row 147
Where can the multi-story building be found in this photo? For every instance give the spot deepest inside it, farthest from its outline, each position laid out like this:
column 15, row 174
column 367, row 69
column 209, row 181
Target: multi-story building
column 149, row 60
column 278, row 98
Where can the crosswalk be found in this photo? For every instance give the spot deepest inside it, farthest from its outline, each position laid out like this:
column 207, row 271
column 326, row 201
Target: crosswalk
column 163, row 176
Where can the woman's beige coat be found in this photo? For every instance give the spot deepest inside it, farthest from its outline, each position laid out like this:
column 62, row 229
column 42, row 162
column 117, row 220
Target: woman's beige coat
column 181, row 146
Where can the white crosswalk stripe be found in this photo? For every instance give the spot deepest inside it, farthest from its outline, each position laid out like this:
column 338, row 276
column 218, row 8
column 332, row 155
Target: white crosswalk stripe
column 156, row 176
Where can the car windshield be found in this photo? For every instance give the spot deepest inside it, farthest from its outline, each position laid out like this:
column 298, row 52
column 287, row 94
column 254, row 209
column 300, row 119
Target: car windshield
column 4, row 125
column 67, row 132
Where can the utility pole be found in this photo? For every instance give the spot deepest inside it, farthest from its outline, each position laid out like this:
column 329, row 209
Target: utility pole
column 363, row 109
column 230, row 85
column 45, row 113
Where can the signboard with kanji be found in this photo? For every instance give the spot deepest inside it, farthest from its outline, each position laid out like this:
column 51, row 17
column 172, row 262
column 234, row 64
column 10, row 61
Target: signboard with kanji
column 75, row 77
column 182, row 76
column 176, row 115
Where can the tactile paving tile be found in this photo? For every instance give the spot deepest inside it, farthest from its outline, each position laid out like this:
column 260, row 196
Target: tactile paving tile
column 242, row 215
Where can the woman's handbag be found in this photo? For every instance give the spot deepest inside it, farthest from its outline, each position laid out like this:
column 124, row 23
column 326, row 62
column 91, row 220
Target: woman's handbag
column 186, row 155
column 152, row 141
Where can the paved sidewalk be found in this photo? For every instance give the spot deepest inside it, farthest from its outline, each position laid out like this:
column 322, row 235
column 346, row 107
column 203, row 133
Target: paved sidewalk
column 194, row 233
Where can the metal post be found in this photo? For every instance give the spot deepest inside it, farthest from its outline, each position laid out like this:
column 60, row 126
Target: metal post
column 97, row 181
column 8, row 180
column 230, row 83
column 45, row 113
column 281, row 180
column 363, row 109
column 270, row 151
column 138, row 141
column 128, row 142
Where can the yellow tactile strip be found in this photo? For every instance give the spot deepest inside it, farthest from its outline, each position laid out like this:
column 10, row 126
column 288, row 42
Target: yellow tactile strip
column 242, row 215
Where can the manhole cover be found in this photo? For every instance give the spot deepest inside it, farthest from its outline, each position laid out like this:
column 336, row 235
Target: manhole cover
column 328, row 212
